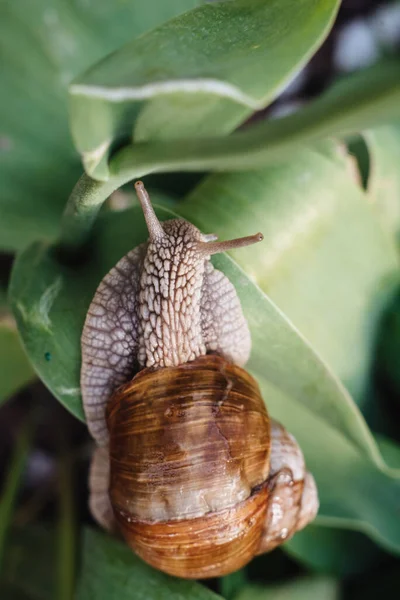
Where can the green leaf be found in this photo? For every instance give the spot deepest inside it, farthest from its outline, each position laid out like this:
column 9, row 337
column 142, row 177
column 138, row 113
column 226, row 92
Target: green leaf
column 384, row 176
column 44, row 44
column 334, row 551
column 110, row 571
column 375, row 96
column 200, row 73
column 336, row 443
column 16, row 371
column 324, row 261
column 316, row 588
column 38, row 162
column 363, row 100
column 50, row 301
column 390, row 450
column 230, row 584
column 321, row 239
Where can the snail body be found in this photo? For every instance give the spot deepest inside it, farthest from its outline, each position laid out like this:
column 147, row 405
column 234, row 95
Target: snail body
column 189, row 466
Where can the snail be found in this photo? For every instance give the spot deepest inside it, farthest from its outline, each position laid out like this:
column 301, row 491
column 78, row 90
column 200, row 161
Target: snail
column 189, row 467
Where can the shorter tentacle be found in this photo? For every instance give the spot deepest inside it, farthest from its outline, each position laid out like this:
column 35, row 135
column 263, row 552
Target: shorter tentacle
column 293, row 500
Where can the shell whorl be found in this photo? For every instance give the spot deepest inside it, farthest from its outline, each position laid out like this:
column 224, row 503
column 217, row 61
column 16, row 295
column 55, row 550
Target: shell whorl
column 189, row 457
column 200, row 479
column 197, row 437
column 293, row 500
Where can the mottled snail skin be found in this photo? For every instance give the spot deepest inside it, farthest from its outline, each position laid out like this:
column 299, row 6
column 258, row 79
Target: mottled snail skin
column 188, row 467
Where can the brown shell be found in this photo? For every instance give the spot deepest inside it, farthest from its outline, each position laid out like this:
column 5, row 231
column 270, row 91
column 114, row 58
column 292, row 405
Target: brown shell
column 209, row 546
column 189, row 458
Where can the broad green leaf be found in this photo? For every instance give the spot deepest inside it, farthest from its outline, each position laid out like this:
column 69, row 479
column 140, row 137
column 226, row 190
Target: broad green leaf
column 334, row 551
column 314, row 253
column 362, row 101
column 44, row 44
column 15, row 369
column 201, row 73
column 110, row 571
column 325, row 261
column 50, row 300
column 316, row 588
column 384, row 175
column 352, row 491
column 230, row 584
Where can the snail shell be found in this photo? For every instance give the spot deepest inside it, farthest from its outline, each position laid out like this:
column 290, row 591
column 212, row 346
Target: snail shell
column 189, row 466
column 201, row 481
column 189, row 458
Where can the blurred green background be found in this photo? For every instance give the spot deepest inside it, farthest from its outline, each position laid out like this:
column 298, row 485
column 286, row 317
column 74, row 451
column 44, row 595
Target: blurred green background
column 314, row 166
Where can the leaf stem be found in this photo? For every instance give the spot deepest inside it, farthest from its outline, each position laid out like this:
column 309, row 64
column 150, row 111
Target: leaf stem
column 66, row 531
column 81, row 211
column 12, row 485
